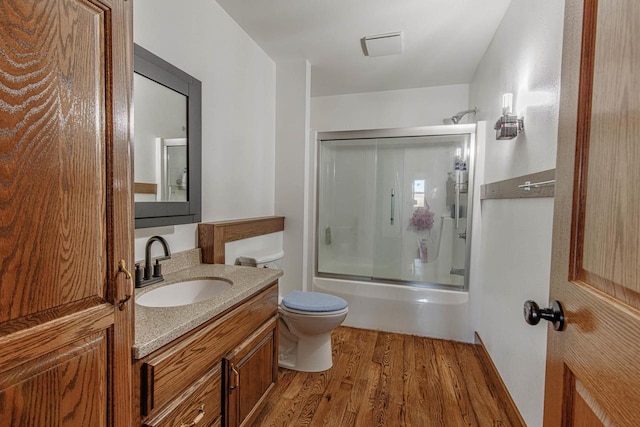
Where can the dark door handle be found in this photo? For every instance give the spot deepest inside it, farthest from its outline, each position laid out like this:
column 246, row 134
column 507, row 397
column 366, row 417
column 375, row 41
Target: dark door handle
column 554, row 314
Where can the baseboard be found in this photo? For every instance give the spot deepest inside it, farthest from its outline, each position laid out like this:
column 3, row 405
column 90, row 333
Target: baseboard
column 503, row 392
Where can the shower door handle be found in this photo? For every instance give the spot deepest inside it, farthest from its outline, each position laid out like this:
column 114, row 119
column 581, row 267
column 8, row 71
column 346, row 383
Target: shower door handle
column 457, row 209
column 393, row 205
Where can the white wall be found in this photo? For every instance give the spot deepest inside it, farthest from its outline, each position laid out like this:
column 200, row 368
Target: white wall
column 292, row 150
column 238, row 108
column 524, row 59
column 388, row 109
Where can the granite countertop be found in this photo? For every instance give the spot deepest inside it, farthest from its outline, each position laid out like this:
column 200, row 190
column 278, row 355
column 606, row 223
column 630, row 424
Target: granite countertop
column 157, row 326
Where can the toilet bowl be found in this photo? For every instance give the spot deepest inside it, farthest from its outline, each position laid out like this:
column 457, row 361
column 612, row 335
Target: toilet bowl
column 306, row 322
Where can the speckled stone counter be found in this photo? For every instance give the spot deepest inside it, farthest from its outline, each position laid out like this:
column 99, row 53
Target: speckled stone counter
column 157, row 326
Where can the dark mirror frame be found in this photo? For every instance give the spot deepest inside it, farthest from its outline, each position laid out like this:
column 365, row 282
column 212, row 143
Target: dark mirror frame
column 156, row 214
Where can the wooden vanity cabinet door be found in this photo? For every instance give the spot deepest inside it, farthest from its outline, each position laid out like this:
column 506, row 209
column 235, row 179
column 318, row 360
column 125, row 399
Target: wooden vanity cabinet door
column 250, row 370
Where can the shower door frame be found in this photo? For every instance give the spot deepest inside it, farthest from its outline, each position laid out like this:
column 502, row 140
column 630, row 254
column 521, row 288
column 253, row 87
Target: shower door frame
column 438, row 130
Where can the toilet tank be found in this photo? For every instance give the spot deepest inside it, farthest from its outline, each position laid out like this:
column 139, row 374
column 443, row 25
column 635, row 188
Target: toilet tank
column 262, row 259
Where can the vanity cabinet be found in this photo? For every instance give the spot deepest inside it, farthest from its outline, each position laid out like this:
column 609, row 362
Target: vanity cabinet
column 186, row 382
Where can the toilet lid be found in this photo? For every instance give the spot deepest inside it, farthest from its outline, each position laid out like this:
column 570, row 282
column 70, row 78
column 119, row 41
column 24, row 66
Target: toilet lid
column 313, row 302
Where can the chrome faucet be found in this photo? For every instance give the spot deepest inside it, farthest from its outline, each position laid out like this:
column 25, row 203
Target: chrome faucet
column 148, row 278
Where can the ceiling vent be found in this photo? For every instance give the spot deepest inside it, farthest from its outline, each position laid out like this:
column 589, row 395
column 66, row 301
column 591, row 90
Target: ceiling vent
column 382, row 44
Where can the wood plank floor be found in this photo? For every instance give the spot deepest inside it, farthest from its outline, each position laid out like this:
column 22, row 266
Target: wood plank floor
column 387, row 379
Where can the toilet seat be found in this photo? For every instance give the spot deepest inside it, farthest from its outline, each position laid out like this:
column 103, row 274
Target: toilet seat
column 313, row 302
column 314, row 313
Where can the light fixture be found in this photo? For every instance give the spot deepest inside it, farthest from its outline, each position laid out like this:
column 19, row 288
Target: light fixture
column 508, row 125
column 507, row 103
column 382, row 44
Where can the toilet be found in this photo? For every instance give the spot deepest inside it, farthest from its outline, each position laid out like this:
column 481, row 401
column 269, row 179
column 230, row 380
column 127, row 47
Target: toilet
column 306, row 322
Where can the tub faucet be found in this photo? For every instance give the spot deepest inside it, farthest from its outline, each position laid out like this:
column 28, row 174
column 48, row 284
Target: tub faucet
column 148, row 278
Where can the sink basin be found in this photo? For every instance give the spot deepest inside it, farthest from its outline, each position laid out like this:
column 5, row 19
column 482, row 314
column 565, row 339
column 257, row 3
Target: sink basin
column 183, row 293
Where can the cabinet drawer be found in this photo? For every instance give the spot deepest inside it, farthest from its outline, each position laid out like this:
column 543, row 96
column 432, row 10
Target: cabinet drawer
column 169, row 371
column 202, row 403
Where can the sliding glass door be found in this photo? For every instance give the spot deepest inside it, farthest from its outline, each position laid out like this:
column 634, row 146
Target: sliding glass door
column 394, row 209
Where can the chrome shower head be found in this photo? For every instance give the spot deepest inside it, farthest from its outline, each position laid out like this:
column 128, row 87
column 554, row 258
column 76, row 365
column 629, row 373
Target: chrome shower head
column 458, row 116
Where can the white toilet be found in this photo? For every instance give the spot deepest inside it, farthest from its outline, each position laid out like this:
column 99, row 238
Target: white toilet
column 306, row 321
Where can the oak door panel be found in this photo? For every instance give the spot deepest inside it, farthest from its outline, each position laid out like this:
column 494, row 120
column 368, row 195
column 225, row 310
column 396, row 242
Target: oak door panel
column 65, row 212
column 52, row 145
column 592, row 376
column 62, row 388
column 611, row 226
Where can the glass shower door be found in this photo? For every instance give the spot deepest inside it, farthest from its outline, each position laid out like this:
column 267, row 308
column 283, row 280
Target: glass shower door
column 432, row 242
column 394, row 209
column 346, row 201
column 387, row 233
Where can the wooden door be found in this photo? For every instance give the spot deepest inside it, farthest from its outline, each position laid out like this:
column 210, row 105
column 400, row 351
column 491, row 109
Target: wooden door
column 65, row 212
column 593, row 367
column 251, row 371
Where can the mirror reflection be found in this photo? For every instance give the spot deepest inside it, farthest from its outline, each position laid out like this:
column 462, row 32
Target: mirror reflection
column 160, row 142
column 173, row 160
column 167, row 142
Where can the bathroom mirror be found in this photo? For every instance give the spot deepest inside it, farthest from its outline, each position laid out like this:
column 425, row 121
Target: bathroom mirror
column 167, row 142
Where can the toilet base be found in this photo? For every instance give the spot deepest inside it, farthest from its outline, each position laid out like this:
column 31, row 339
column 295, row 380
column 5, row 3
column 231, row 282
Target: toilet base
column 313, row 354
column 287, row 361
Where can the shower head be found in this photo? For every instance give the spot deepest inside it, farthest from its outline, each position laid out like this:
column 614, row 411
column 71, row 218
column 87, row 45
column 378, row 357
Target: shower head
column 458, row 116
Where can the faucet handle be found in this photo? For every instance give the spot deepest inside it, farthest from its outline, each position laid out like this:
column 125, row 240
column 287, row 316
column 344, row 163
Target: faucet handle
column 157, row 267
column 138, row 273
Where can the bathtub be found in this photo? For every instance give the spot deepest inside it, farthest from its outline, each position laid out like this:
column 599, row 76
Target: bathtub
column 404, row 309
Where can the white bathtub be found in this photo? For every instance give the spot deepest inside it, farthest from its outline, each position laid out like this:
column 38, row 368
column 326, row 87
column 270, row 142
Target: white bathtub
column 405, row 309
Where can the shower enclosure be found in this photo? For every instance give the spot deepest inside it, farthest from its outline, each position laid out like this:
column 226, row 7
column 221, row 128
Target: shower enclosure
column 394, row 205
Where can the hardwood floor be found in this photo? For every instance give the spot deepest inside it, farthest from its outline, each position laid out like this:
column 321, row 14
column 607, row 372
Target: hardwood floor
column 387, row 379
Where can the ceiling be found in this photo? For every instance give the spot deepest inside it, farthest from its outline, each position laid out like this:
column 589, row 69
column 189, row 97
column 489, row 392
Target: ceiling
column 444, row 40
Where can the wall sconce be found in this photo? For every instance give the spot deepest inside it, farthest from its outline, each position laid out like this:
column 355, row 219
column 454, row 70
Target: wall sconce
column 508, row 125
